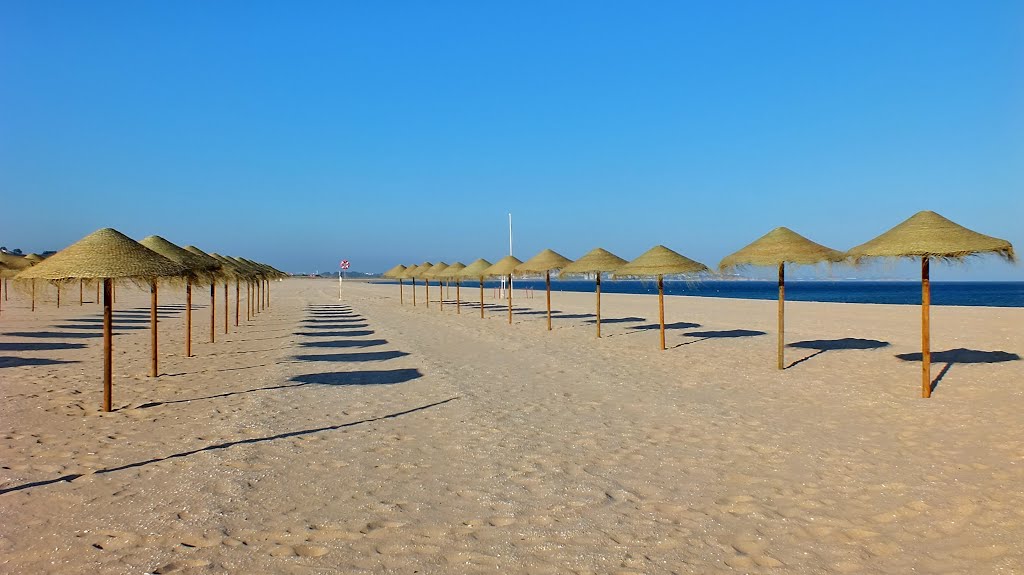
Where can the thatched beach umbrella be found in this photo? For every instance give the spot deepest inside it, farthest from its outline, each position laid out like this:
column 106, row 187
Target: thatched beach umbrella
column 659, row 262
column 416, row 272
column 195, row 269
column 433, row 273
column 108, row 255
column 545, row 261
column 928, row 235
column 215, row 272
column 777, row 248
column 395, row 273
column 596, row 261
column 504, row 268
column 10, row 266
column 452, row 273
column 229, row 271
column 476, row 270
column 251, row 275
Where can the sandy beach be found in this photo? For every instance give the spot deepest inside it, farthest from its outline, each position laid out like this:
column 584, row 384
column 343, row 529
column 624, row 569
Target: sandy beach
column 361, row 436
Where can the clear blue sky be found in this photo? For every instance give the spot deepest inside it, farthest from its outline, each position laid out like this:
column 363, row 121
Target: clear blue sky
column 300, row 133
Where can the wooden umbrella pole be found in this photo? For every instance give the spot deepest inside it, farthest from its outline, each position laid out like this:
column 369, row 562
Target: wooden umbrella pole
column 108, row 355
column 926, row 348
column 33, row 294
column 213, row 311
column 427, row 283
column 458, row 297
column 268, row 293
column 661, row 309
column 152, row 329
column 226, row 317
column 440, row 292
column 58, row 294
column 81, row 291
column 401, row 293
column 598, row 290
column 547, row 286
column 413, row 292
column 510, row 299
column 98, row 292
column 188, row 318
column 238, row 291
column 782, row 314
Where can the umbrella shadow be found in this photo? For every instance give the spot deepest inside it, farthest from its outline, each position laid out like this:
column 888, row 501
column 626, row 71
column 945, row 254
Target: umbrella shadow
column 99, row 327
column 14, row 361
column 225, row 445
column 725, row 334
column 55, row 334
column 822, row 345
column 348, row 319
column 33, row 346
column 960, row 355
column 345, row 343
column 353, row 333
column 99, row 320
column 648, row 326
column 360, row 356
column 573, row 316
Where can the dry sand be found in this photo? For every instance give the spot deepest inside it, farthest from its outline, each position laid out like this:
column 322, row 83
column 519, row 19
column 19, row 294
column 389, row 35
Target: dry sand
column 361, row 436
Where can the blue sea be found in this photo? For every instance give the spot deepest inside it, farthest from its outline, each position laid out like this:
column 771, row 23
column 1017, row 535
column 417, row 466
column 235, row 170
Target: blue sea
column 994, row 294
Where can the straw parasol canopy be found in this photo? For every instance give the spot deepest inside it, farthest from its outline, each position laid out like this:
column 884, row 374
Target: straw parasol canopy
column 196, row 267
column 596, row 261
column 544, row 262
column 105, row 254
column 34, row 258
column 659, row 262
column 415, row 272
column 396, row 273
column 504, row 267
column 777, row 248
column 433, row 273
column 476, row 270
column 927, row 235
column 11, row 264
column 452, row 273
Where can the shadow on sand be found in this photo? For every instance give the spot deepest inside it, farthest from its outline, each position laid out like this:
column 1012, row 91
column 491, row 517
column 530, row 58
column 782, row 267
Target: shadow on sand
column 823, row 345
column 960, row 355
column 345, row 343
column 354, row 356
column 225, row 445
column 730, row 333
column 14, row 361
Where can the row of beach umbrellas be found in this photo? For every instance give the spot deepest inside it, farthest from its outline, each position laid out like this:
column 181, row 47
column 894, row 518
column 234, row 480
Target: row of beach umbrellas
column 107, row 256
column 925, row 236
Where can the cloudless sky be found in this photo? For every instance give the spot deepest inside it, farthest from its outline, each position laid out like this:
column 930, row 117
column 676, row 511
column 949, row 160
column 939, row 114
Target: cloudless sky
column 301, row 133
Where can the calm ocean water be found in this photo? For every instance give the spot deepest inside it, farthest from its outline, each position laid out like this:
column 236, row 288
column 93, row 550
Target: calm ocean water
column 995, row 294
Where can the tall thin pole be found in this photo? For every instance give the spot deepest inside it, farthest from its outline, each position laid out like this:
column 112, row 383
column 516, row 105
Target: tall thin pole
column 481, row 297
column 401, row 292
column 238, row 292
column 213, row 311
column 267, row 293
column 81, row 292
column 108, row 356
column 426, row 281
column 597, row 285
column 458, row 302
column 440, row 293
column 782, row 313
column 98, row 291
column 661, row 309
column 188, row 318
column 33, row 294
column 510, row 293
column 547, row 287
column 152, row 330
column 413, row 292
column 57, row 285
column 926, row 349
column 510, row 253
column 226, row 317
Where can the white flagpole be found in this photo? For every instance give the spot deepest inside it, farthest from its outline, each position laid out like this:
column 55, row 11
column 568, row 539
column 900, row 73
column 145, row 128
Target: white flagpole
column 510, row 245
